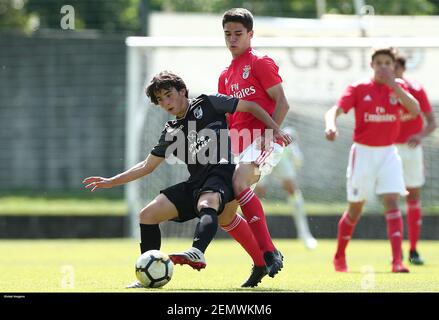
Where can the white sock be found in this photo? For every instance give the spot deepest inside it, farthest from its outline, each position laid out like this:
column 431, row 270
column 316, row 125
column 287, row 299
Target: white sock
column 299, row 215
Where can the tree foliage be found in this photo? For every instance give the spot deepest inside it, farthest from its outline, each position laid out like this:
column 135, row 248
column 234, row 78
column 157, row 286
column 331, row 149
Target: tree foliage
column 123, row 15
column 120, row 15
column 298, row 8
column 12, row 16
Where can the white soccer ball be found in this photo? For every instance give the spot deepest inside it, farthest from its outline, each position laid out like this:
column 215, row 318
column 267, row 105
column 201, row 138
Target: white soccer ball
column 154, row 269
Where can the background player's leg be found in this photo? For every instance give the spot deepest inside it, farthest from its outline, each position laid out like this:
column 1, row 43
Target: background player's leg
column 394, row 229
column 295, row 200
column 346, row 227
column 414, row 222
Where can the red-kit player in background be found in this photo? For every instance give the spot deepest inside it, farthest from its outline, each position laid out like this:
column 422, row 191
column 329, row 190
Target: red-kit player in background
column 253, row 77
column 409, row 143
column 374, row 164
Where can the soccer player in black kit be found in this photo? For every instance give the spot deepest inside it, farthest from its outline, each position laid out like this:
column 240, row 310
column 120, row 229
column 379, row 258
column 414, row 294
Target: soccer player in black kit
column 196, row 137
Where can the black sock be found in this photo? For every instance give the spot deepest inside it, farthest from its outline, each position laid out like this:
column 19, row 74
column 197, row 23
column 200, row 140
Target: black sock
column 206, row 229
column 150, row 237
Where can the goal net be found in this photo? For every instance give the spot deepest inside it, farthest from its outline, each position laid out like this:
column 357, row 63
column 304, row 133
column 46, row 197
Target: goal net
column 315, row 72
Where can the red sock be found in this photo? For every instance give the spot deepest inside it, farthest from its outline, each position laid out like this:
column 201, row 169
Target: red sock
column 414, row 221
column 346, row 227
column 241, row 232
column 394, row 232
column 254, row 214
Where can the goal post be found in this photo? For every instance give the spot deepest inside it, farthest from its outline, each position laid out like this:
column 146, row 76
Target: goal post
column 315, row 71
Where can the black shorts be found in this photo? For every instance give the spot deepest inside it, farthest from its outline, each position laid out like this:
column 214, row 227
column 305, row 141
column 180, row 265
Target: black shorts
column 185, row 195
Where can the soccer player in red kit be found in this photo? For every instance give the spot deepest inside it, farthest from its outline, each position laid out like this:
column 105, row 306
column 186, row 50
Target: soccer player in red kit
column 253, row 77
column 409, row 143
column 374, row 164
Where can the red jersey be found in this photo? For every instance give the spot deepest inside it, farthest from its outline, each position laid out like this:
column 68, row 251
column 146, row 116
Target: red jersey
column 409, row 125
column 377, row 112
column 248, row 77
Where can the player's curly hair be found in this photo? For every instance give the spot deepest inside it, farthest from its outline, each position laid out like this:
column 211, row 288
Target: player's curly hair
column 165, row 80
column 239, row 15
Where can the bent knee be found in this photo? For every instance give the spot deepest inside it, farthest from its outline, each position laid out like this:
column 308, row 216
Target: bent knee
column 147, row 217
column 391, row 201
column 244, row 179
column 209, row 200
column 239, row 185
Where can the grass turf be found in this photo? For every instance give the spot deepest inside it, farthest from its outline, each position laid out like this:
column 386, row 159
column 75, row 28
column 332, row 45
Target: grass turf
column 85, row 204
column 70, row 205
column 108, row 265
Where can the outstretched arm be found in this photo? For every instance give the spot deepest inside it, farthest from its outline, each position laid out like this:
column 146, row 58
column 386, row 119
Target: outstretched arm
column 260, row 114
column 141, row 169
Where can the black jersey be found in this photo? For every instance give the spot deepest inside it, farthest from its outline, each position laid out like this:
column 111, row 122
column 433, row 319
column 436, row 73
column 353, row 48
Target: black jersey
column 200, row 138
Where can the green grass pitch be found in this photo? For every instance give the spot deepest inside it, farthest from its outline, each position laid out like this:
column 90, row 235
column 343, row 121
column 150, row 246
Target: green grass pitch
column 108, row 265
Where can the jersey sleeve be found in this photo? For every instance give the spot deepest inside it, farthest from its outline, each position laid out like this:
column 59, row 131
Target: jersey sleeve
column 223, row 104
column 222, row 83
column 267, row 72
column 159, row 150
column 347, row 101
column 420, row 95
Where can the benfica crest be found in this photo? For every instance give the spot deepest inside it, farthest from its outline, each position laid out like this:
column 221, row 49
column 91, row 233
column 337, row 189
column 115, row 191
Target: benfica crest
column 393, row 100
column 246, row 72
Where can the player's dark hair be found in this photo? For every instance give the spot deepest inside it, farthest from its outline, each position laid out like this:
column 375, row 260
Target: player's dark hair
column 165, row 80
column 239, row 15
column 401, row 60
column 391, row 52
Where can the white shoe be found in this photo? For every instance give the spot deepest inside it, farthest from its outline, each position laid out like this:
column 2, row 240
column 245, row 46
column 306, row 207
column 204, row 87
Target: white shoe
column 135, row 285
column 193, row 257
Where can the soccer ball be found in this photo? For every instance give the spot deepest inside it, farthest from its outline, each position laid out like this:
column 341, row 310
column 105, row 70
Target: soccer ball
column 154, row 269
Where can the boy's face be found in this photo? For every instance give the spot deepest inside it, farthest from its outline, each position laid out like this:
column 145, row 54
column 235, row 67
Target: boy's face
column 382, row 63
column 237, row 38
column 172, row 101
